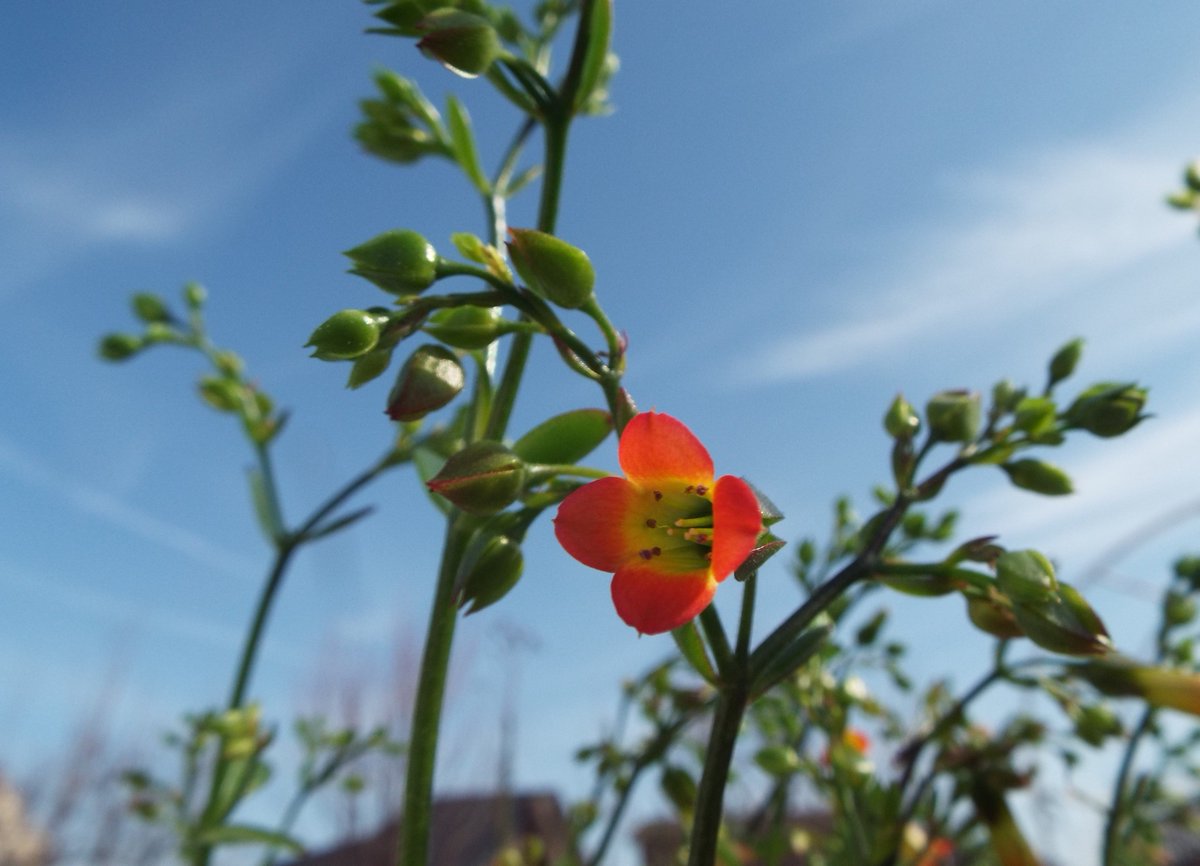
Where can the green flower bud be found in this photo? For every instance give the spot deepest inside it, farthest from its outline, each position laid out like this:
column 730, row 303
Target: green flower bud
column 150, row 308
column 953, row 416
column 1065, row 624
column 552, row 267
column 1006, row 396
column 491, row 567
column 1184, row 199
column 1178, row 609
column 992, row 617
column 161, row 332
column 429, row 379
column 901, row 420
column 224, row 395
column 399, row 261
column 1095, row 723
column 229, row 363
column 194, row 295
column 1065, row 360
column 345, row 335
column 1035, row 415
column 466, row 327
column 779, row 761
column 1107, row 409
column 1026, row 576
column 1044, row 478
column 1191, row 176
column 1188, row 568
column 465, row 44
column 120, row 347
column 482, row 478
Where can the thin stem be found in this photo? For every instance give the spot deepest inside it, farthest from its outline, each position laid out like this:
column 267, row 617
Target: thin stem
column 706, row 824
column 710, row 622
column 266, row 599
column 746, row 622
column 427, row 713
column 1116, row 812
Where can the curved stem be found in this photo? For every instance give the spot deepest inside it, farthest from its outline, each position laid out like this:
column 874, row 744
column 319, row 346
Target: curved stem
column 427, row 713
column 1116, row 812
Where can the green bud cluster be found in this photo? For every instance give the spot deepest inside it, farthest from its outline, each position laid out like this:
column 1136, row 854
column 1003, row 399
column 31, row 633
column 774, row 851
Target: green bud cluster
column 401, row 125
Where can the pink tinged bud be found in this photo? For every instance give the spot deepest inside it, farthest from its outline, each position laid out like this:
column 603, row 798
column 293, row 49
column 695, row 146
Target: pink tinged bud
column 429, row 379
column 482, row 478
column 464, row 43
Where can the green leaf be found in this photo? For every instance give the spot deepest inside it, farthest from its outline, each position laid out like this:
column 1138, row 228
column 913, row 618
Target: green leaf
column 246, row 834
column 691, row 647
column 1039, row 477
column 339, row 524
column 565, row 438
column 599, row 34
column 522, row 180
column 463, row 139
column 787, row 661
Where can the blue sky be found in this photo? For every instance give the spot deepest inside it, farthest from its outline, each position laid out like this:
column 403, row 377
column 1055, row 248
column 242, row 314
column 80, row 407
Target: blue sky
column 796, row 211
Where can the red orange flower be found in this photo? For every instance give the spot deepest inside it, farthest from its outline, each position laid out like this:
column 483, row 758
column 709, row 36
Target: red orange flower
column 667, row 530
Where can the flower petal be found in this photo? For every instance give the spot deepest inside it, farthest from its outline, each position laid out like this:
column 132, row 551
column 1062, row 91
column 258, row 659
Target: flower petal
column 655, row 446
column 654, row 601
column 737, row 521
column 592, row 522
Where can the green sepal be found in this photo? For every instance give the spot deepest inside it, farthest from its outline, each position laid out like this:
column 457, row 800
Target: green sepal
column 769, row 510
column 1038, row 477
column 757, row 557
column 953, row 416
column 1066, row 624
column 566, row 438
column 691, row 647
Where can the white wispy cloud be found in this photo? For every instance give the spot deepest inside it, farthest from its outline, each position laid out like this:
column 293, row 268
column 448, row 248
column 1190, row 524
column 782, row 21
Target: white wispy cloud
column 1011, row 240
column 24, row 467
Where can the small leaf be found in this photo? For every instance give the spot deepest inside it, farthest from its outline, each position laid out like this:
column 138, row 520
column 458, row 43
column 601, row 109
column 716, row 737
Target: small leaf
column 565, row 438
column 757, row 557
column 596, row 53
column 463, row 139
column 339, row 524
column 245, row 834
column 691, row 647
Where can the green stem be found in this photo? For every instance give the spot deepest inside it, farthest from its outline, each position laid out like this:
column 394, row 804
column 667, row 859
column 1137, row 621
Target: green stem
column 718, row 643
column 706, row 825
column 1116, row 812
column 427, row 713
column 746, row 622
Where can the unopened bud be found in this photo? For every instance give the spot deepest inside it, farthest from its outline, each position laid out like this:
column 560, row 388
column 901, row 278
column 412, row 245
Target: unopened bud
column 120, row 347
column 462, row 42
column 1026, row 576
column 1044, row 478
column 466, row 327
column 1095, row 723
column 1066, row 624
column 1065, row 360
column 992, row 617
column 1178, row 609
column 1006, row 395
column 194, row 295
column 345, row 335
column 430, row 378
column 150, row 308
column 953, row 416
column 1107, row 409
column 482, row 478
column 491, row 568
column 901, row 420
column 1188, row 568
column 551, row 267
column 399, row 261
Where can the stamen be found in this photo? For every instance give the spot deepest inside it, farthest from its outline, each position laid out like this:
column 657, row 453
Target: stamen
column 689, row 489
column 651, row 523
column 703, row 522
column 645, row 554
column 657, row 551
column 698, row 536
column 657, row 495
column 701, row 489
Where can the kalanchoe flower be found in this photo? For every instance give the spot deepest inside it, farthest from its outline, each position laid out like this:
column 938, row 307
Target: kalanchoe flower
column 667, row 529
